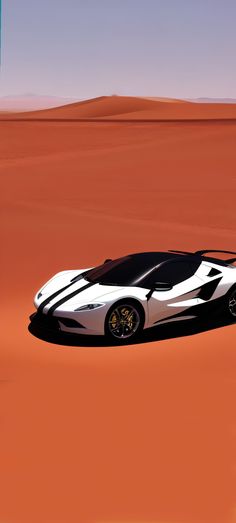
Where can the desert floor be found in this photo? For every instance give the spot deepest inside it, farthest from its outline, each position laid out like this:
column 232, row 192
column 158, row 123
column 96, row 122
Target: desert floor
column 94, row 434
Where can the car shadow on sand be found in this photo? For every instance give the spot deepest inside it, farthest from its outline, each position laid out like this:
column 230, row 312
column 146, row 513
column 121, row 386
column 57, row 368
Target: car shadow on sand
column 161, row 332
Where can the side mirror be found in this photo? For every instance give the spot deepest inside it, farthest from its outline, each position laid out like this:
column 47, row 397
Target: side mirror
column 162, row 286
column 107, row 260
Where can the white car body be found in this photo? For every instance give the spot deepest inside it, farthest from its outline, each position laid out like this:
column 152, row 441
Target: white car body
column 69, row 290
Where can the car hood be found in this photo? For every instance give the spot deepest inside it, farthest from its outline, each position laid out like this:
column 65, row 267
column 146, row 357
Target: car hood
column 60, row 279
column 72, row 293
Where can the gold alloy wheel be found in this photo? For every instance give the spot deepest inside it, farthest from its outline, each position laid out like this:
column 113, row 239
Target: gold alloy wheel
column 232, row 304
column 123, row 321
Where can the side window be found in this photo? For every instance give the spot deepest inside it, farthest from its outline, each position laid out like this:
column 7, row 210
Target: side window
column 173, row 272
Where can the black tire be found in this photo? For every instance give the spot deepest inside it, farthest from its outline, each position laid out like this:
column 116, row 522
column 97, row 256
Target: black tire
column 124, row 321
column 231, row 304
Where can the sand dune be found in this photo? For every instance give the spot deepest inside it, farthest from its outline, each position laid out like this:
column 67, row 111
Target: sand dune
column 98, row 434
column 133, row 108
column 104, row 106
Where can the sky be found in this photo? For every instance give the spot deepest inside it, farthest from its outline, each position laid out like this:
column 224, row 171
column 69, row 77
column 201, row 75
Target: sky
column 88, row 48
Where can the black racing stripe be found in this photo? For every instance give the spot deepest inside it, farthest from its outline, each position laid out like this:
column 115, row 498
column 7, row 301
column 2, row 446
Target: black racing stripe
column 68, row 297
column 55, row 294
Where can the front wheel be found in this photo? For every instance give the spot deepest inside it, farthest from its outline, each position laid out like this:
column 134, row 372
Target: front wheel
column 124, row 322
column 232, row 304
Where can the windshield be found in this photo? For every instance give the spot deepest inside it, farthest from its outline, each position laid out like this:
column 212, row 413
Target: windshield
column 128, row 270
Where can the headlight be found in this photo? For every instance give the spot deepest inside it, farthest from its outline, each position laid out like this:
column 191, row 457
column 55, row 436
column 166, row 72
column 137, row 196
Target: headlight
column 89, row 306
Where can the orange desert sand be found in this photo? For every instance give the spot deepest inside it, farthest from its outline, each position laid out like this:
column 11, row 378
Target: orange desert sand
column 95, row 434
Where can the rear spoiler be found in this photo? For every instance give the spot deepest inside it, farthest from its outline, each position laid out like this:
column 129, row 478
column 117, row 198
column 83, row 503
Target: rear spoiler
column 213, row 250
column 201, row 253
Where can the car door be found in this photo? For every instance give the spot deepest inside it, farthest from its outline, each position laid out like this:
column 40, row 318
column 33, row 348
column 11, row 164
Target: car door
column 213, row 283
column 176, row 289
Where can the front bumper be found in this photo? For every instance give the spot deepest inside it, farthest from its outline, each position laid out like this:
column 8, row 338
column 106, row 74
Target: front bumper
column 55, row 324
column 63, row 324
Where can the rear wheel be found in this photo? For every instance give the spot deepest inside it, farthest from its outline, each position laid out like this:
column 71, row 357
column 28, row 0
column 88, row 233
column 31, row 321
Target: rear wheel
column 124, row 321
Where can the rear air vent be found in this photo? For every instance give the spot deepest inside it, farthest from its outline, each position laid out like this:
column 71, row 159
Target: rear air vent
column 208, row 289
column 213, row 272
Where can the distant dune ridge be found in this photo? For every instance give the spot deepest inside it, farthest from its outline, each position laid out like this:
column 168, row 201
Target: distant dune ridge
column 214, row 100
column 133, row 108
column 31, row 102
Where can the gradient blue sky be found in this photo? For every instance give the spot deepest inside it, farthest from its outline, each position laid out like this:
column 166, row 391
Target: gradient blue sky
column 87, row 48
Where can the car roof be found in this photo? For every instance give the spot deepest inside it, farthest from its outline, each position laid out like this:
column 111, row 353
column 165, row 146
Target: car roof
column 156, row 257
column 153, row 257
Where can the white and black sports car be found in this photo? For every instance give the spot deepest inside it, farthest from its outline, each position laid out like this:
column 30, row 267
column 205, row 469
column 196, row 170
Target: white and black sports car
column 123, row 296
